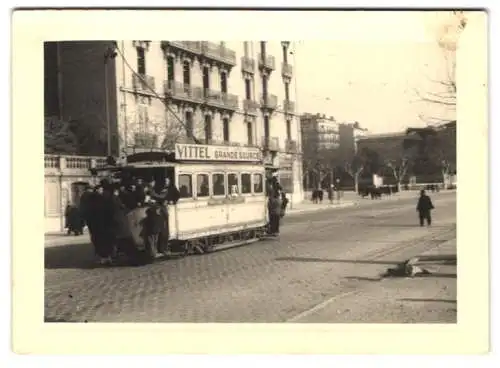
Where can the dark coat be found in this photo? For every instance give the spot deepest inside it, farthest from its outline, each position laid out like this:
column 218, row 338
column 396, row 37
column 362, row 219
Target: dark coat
column 128, row 199
column 424, row 204
column 284, row 203
column 119, row 222
column 99, row 214
column 139, row 194
column 154, row 222
column 85, row 203
column 73, row 218
column 167, row 195
column 274, row 205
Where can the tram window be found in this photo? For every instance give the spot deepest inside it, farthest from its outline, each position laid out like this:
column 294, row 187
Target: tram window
column 232, row 183
column 218, row 184
column 257, row 183
column 202, row 186
column 246, row 183
column 185, row 186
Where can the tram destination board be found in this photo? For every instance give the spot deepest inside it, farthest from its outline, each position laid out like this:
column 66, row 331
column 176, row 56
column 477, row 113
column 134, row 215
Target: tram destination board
column 198, row 152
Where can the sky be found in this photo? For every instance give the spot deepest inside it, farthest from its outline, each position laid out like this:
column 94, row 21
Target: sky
column 374, row 80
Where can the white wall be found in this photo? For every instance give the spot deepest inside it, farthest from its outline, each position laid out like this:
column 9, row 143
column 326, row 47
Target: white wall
column 156, row 67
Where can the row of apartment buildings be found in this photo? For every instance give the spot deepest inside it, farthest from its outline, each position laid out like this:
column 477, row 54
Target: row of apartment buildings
column 327, row 143
column 149, row 94
column 134, row 95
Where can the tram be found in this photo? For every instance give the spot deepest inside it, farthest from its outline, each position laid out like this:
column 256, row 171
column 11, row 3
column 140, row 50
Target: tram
column 222, row 195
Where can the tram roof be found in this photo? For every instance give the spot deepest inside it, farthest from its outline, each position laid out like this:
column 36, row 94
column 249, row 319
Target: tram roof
column 207, row 154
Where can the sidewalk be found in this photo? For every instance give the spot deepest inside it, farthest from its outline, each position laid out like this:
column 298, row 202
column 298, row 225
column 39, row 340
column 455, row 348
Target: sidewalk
column 349, row 199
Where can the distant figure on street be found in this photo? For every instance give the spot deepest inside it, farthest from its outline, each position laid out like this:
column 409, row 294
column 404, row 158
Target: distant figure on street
column 74, row 220
column 274, row 210
column 424, row 207
column 284, row 203
column 331, row 191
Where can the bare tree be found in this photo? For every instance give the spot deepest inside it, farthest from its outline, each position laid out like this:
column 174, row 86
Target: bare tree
column 354, row 168
column 442, row 150
column 444, row 90
column 58, row 137
column 399, row 168
column 156, row 132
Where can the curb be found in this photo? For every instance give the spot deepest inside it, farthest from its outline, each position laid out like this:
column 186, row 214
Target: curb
column 436, row 254
column 318, row 209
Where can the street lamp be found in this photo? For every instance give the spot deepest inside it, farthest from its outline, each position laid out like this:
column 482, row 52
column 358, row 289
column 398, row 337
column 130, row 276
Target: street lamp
column 110, row 53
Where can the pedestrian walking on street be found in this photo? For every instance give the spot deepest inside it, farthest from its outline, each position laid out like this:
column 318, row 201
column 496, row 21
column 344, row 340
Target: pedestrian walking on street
column 284, row 203
column 424, row 207
column 331, row 191
column 73, row 220
column 85, row 203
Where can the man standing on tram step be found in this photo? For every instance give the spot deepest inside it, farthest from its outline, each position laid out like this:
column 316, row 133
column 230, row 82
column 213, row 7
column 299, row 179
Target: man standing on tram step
column 153, row 226
column 168, row 195
column 424, row 207
column 274, row 209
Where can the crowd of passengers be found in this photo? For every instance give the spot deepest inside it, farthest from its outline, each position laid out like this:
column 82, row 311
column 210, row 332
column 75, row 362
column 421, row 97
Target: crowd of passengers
column 104, row 208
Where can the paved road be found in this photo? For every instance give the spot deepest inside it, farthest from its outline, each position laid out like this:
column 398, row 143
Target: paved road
column 320, row 256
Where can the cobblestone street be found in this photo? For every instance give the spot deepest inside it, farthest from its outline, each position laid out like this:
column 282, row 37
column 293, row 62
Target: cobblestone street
column 324, row 268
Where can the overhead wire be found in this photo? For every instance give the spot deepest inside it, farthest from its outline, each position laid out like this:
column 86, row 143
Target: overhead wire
column 145, row 83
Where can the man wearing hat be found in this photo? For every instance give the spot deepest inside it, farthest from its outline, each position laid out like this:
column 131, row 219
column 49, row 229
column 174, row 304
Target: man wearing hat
column 424, row 207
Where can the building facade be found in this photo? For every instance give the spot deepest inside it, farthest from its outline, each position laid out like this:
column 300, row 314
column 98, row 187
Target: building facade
column 136, row 95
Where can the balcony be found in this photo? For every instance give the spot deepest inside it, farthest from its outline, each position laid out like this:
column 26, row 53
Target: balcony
column 250, row 106
column 269, row 102
column 268, row 62
column 179, row 91
column 73, row 162
column 289, row 106
column 221, row 100
column 271, row 143
column 145, row 140
column 247, row 65
column 218, row 52
column 144, row 83
column 286, row 70
column 193, row 47
column 291, row 146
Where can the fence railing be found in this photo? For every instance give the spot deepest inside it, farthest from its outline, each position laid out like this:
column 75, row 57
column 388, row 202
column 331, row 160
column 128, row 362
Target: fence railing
column 62, row 162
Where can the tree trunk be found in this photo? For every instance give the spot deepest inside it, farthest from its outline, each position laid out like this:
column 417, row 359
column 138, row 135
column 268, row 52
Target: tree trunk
column 356, row 184
column 399, row 186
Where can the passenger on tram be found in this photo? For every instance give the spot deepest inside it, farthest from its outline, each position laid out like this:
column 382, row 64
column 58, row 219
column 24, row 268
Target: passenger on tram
column 120, row 231
column 169, row 194
column 140, row 188
column 153, row 226
column 126, row 198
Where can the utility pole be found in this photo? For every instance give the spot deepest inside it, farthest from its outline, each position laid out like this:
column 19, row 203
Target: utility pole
column 110, row 53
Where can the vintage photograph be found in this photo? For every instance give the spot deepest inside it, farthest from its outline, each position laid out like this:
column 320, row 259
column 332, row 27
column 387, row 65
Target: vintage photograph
column 257, row 181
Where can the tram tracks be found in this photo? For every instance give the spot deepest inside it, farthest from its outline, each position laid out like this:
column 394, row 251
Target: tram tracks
column 347, row 288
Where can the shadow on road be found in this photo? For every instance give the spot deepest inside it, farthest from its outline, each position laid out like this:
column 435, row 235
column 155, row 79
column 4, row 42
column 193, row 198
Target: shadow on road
column 331, row 260
column 70, row 256
column 358, row 278
column 437, row 274
column 428, row 300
